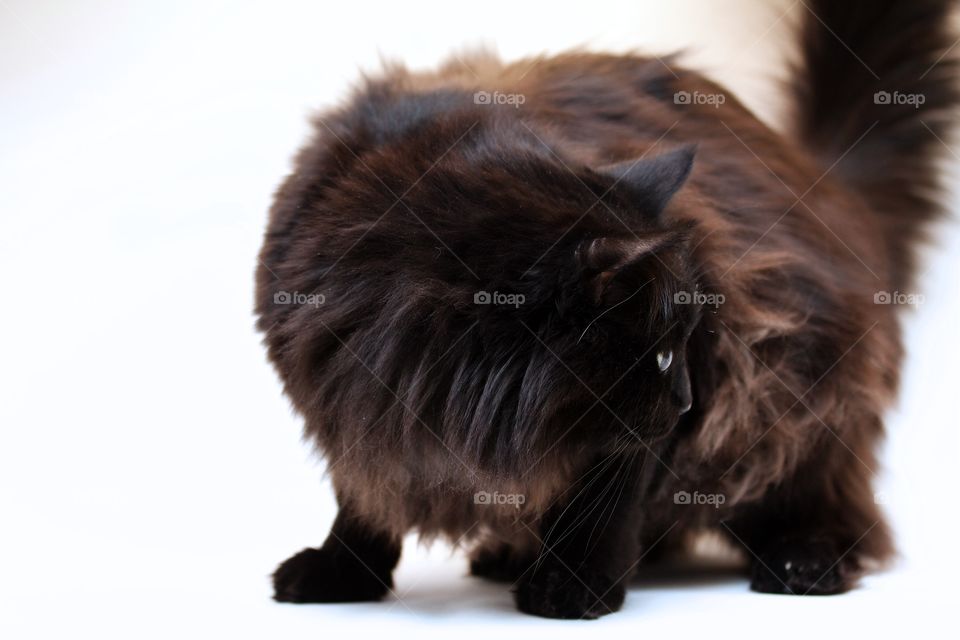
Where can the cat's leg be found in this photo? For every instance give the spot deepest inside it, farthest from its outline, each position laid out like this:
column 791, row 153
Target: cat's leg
column 503, row 560
column 589, row 546
column 355, row 564
column 814, row 533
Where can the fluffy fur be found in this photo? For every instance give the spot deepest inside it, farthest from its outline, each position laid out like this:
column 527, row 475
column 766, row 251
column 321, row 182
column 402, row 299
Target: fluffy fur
column 596, row 210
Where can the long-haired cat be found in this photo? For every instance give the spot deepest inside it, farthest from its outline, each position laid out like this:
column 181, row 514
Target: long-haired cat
column 570, row 310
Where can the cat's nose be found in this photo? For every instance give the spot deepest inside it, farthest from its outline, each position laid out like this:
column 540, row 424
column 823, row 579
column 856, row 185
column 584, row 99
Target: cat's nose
column 683, row 404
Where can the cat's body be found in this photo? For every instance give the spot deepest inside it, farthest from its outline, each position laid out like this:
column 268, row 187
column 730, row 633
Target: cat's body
column 567, row 185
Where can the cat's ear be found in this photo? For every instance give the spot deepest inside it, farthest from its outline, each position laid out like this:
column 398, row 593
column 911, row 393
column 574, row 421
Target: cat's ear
column 653, row 181
column 601, row 260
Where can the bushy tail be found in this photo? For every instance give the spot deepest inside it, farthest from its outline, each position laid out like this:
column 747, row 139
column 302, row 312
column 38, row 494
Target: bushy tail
column 875, row 92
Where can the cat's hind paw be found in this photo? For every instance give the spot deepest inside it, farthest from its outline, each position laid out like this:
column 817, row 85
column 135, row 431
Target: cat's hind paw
column 803, row 566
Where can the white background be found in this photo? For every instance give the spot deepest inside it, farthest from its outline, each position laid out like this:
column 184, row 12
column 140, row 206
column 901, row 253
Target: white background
column 151, row 473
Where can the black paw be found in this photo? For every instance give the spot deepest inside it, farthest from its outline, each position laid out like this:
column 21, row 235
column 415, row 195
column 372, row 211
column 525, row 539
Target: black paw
column 323, row 575
column 501, row 563
column 555, row 592
column 803, row 566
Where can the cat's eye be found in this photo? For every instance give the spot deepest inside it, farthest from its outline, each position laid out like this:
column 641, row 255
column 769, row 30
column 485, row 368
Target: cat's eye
column 664, row 359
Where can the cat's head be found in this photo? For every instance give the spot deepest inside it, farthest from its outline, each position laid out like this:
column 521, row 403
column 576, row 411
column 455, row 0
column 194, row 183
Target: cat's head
column 610, row 302
column 633, row 291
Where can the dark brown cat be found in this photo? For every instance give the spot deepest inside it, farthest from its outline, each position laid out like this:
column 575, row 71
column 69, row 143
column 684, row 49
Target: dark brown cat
column 570, row 310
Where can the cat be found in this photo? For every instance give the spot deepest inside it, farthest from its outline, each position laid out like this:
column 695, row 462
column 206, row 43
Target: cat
column 570, row 311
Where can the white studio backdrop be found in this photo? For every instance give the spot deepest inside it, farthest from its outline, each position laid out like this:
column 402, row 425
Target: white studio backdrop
column 151, row 473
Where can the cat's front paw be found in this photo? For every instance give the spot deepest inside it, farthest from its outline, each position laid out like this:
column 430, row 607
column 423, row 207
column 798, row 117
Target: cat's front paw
column 555, row 592
column 803, row 566
column 323, row 575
